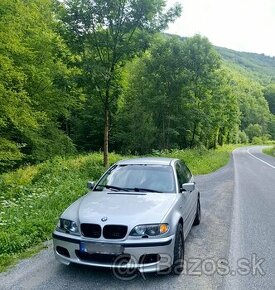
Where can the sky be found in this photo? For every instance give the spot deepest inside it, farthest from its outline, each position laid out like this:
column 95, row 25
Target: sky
column 244, row 25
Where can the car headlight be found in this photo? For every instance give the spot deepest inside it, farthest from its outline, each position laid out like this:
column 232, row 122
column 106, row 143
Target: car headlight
column 150, row 230
column 67, row 226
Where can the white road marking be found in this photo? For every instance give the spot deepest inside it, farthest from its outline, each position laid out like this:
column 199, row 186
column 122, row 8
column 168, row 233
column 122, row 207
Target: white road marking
column 259, row 159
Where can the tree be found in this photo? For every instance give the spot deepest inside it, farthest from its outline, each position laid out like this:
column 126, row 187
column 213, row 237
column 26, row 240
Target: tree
column 36, row 91
column 242, row 137
column 254, row 130
column 253, row 106
column 182, row 82
column 108, row 34
column 161, row 73
column 269, row 94
column 201, row 62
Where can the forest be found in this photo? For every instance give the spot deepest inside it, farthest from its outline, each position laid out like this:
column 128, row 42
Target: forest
column 90, row 75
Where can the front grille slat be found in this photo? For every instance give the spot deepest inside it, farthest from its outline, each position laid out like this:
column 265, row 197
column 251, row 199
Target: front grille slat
column 114, row 231
column 91, row 230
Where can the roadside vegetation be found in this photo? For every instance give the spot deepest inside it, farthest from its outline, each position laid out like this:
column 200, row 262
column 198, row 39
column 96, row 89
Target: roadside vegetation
column 200, row 160
column 32, row 198
column 270, row 151
column 74, row 79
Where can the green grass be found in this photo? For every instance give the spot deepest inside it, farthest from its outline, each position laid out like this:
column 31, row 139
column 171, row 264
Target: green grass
column 270, row 151
column 32, row 198
column 202, row 161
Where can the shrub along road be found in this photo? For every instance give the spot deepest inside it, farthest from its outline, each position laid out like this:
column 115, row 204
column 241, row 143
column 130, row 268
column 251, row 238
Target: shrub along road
column 235, row 224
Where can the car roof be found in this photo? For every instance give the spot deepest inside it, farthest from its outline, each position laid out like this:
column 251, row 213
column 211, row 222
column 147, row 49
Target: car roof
column 148, row 160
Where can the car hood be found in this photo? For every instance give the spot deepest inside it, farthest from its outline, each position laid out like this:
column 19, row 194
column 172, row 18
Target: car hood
column 124, row 207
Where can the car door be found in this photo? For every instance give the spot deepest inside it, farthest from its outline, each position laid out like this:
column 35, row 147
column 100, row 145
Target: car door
column 185, row 198
column 194, row 193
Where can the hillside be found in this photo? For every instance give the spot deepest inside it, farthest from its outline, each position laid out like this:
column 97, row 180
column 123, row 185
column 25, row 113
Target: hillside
column 259, row 66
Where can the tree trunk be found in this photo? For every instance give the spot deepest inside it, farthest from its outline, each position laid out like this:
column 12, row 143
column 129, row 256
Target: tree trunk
column 216, row 138
column 106, row 138
column 163, row 133
column 193, row 134
column 221, row 137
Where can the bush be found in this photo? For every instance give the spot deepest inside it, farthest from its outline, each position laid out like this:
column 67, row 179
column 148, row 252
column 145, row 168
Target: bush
column 257, row 141
column 265, row 139
column 10, row 154
column 33, row 198
column 270, row 151
column 201, row 160
column 242, row 138
column 254, row 130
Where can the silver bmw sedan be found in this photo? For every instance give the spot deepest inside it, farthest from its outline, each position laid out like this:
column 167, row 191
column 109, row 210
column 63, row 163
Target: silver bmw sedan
column 137, row 215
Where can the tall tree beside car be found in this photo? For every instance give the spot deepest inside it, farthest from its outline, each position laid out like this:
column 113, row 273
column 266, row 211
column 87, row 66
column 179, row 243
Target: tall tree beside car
column 107, row 34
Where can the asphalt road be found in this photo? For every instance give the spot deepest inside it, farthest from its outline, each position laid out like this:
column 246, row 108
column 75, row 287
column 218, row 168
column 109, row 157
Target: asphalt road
column 253, row 220
column 238, row 221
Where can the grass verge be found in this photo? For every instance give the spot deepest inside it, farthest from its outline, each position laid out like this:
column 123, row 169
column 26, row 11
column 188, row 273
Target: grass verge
column 270, row 151
column 32, row 198
column 202, row 161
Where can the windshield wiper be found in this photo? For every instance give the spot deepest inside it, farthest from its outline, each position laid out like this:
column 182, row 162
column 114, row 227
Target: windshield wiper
column 116, row 188
column 145, row 190
column 136, row 189
column 127, row 193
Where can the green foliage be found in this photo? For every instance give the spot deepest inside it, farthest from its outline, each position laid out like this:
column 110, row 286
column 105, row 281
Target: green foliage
column 251, row 102
column 242, row 137
column 270, row 151
column 254, row 131
column 265, row 139
column 185, row 99
column 270, row 96
column 32, row 198
column 258, row 66
column 257, row 141
column 36, row 95
column 71, row 70
column 108, row 35
column 9, row 153
column 271, row 127
column 201, row 160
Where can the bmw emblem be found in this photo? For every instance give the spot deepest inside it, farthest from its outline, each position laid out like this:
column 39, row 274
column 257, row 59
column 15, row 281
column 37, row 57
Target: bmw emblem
column 104, row 219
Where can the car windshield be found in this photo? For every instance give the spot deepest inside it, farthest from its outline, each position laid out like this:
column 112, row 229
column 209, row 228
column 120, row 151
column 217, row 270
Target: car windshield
column 150, row 178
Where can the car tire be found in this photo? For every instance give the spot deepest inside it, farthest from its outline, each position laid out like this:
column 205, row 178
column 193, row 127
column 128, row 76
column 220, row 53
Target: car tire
column 197, row 219
column 178, row 263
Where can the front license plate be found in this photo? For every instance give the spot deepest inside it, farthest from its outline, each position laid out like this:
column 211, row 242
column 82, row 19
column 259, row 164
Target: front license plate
column 101, row 248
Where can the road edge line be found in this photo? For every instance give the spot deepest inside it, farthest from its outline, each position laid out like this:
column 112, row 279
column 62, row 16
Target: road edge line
column 248, row 151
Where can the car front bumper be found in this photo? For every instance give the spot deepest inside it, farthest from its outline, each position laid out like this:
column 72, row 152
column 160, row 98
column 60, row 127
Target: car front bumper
column 146, row 255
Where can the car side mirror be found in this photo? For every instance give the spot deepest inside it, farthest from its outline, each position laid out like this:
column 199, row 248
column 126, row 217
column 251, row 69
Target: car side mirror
column 188, row 187
column 90, row 185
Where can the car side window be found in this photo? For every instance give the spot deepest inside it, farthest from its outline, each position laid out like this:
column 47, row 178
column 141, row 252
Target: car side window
column 181, row 175
column 187, row 171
